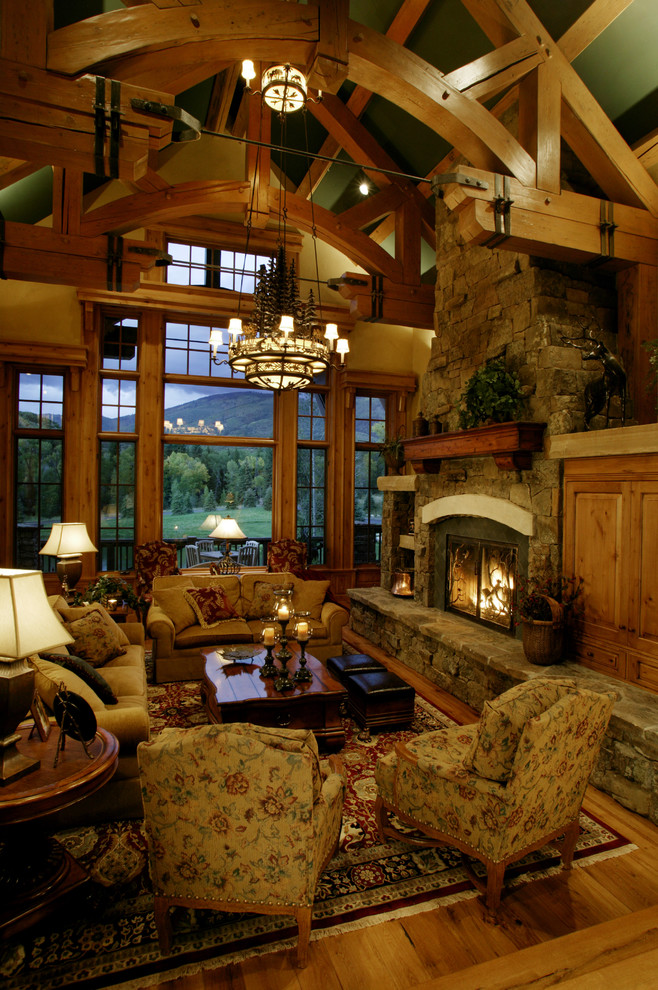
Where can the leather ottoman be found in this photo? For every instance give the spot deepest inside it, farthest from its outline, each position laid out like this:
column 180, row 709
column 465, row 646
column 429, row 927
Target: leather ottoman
column 344, row 667
column 379, row 699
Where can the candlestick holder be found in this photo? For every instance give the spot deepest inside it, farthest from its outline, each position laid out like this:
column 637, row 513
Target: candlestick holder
column 303, row 674
column 284, row 682
column 269, row 668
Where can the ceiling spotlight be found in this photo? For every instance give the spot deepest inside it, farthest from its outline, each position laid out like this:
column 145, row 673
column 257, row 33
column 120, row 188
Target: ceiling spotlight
column 364, row 188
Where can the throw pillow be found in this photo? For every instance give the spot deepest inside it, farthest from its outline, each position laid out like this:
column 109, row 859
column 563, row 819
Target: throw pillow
column 261, row 605
column 86, row 672
column 71, row 613
column 502, row 721
column 175, row 606
column 95, row 637
column 48, row 678
column 309, row 596
column 211, row 606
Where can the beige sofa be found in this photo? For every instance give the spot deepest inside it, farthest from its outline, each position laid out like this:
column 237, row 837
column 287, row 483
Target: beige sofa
column 128, row 718
column 178, row 636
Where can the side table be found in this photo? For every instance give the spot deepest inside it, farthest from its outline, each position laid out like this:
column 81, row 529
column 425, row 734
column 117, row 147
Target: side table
column 35, row 870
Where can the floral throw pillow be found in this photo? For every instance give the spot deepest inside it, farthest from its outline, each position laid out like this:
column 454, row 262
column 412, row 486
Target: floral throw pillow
column 261, row 605
column 95, row 637
column 211, row 605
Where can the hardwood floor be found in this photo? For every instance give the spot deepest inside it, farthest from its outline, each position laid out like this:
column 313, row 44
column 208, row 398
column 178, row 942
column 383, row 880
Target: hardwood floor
column 589, row 928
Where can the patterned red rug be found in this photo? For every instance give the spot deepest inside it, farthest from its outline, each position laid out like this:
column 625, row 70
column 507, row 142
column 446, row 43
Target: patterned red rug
column 108, row 938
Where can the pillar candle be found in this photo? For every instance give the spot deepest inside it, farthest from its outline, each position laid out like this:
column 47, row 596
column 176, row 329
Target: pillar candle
column 284, row 612
column 268, row 636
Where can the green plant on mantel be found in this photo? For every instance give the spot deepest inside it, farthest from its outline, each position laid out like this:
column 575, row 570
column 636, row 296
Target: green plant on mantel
column 392, row 450
column 492, row 394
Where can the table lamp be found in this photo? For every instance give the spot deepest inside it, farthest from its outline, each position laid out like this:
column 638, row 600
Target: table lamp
column 67, row 542
column 211, row 521
column 227, row 529
column 27, row 625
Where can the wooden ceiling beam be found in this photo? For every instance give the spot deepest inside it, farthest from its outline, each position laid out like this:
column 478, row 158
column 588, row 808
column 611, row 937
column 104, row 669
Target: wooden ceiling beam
column 24, row 30
column 522, row 53
column 14, row 169
column 221, row 97
column 540, row 97
column 373, row 208
column 609, row 159
column 39, row 254
column 67, row 200
column 379, row 300
column 119, row 33
column 593, row 22
column 488, row 15
column 328, row 70
column 140, row 209
column 400, row 28
column 353, row 243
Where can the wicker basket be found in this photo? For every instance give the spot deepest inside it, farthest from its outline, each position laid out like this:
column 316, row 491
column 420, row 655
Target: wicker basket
column 543, row 640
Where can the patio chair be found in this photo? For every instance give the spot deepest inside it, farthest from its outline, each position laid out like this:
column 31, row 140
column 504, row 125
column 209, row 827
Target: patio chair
column 192, row 558
column 239, row 818
column 503, row 787
column 205, row 546
column 248, row 554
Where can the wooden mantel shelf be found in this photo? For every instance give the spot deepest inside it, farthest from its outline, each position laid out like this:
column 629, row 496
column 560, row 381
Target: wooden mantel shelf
column 510, row 444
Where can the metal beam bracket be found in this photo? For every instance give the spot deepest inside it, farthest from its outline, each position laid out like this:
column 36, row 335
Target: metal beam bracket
column 114, row 263
column 445, row 178
column 161, row 257
column 100, row 123
column 191, row 129
column 377, row 298
column 502, row 207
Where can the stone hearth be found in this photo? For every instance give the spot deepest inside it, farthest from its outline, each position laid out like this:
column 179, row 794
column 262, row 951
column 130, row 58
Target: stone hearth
column 474, row 664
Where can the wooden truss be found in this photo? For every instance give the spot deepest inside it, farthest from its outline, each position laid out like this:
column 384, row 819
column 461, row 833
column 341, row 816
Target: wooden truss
column 97, row 96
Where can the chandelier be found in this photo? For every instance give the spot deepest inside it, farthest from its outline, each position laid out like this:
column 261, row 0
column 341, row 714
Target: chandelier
column 281, row 345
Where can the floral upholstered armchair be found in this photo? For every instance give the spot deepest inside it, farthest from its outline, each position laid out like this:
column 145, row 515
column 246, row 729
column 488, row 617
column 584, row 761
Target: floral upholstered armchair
column 500, row 788
column 287, row 555
column 154, row 559
column 239, row 818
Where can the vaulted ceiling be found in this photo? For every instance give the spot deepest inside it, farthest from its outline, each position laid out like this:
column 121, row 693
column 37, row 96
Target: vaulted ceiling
column 535, row 121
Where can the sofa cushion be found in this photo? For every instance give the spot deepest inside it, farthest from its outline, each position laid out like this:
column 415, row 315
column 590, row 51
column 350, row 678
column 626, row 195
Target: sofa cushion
column 231, row 631
column 175, row 606
column 96, row 638
column 70, row 613
column 210, row 605
column 49, row 676
column 502, row 721
column 261, row 605
column 309, row 596
column 249, row 582
column 229, row 583
column 89, row 674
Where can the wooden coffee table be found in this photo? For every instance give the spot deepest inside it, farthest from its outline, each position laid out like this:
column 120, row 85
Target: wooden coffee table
column 237, row 692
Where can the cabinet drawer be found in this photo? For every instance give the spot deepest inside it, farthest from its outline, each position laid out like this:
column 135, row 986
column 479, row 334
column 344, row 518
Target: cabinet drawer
column 642, row 670
column 605, row 658
column 277, row 715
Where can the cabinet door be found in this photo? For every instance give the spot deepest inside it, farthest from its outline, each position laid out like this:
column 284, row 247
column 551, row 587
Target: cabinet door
column 643, row 583
column 595, row 550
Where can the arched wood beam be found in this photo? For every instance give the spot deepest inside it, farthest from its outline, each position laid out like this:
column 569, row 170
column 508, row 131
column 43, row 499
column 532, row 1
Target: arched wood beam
column 142, row 29
column 397, row 74
column 180, row 200
column 356, row 245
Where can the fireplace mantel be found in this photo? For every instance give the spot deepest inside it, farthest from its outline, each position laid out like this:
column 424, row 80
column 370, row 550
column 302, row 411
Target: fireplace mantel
column 510, row 444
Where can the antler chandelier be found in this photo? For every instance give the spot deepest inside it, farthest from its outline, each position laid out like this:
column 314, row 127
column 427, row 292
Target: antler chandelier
column 281, row 345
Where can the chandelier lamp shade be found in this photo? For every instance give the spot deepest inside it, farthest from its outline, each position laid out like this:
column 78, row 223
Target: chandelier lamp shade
column 27, row 625
column 283, row 87
column 67, row 542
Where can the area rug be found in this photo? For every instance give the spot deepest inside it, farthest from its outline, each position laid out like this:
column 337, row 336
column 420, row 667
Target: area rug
column 107, row 937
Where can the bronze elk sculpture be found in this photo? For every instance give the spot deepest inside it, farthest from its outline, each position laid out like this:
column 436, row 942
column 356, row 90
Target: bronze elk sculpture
column 612, row 382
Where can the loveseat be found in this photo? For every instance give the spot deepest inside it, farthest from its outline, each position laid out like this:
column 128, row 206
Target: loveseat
column 105, row 662
column 243, row 603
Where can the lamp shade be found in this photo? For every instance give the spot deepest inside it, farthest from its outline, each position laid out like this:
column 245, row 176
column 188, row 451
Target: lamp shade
column 211, row 521
column 228, row 529
column 27, row 622
column 68, row 540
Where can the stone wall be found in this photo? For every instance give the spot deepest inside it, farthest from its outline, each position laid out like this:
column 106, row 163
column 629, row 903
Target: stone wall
column 493, row 303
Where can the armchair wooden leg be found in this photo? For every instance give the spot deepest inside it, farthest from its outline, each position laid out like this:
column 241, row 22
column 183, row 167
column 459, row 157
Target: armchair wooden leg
column 495, row 874
column 569, row 844
column 163, row 923
column 304, row 933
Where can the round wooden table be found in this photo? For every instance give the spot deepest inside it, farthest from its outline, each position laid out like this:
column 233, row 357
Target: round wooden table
column 35, row 870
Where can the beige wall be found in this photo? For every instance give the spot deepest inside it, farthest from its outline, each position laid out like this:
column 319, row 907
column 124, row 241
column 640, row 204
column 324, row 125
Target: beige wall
column 40, row 313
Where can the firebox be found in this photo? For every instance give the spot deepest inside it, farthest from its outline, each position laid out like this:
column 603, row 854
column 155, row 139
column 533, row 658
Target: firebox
column 481, row 580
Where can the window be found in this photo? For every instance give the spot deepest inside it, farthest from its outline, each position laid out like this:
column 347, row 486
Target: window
column 38, row 465
column 369, row 431
column 119, row 353
column 311, row 473
column 117, row 505
column 211, row 410
column 215, row 268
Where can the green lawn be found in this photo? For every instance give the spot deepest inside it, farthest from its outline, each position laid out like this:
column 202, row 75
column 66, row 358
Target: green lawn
column 255, row 523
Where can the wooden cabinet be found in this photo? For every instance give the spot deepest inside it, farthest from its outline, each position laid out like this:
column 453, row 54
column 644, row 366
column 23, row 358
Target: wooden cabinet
column 611, row 542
